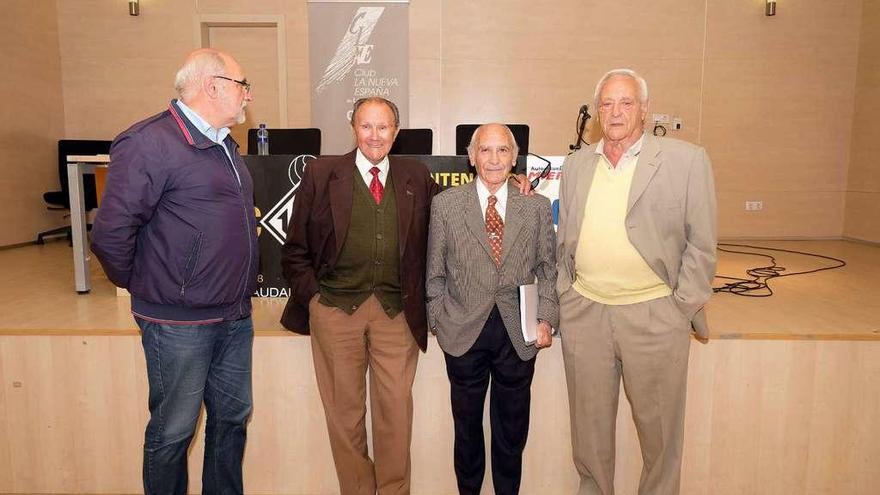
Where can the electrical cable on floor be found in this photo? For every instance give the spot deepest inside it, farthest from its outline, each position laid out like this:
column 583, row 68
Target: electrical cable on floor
column 758, row 285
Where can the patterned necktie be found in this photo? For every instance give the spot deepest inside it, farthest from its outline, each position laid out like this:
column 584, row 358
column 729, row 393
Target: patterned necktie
column 376, row 188
column 494, row 229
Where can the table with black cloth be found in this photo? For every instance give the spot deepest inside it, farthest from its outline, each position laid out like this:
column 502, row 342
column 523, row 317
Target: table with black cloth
column 276, row 179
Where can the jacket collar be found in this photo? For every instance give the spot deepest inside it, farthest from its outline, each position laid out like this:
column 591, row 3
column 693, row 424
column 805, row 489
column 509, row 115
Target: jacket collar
column 405, row 197
column 648, row 164
column 650, row 160
column 340, row 183
column 341, row 197
column 191, row 133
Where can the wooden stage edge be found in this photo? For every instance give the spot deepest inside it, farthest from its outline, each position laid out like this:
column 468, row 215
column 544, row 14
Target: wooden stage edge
column 72, row 332
column 781, row 401
column 833, row 305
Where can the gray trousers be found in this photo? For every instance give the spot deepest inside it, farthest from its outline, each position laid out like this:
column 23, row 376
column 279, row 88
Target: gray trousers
column 646, row 344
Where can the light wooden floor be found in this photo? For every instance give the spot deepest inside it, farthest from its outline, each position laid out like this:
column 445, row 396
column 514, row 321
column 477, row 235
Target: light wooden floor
column 782, row 401
column 836, row 304
column 37, row 297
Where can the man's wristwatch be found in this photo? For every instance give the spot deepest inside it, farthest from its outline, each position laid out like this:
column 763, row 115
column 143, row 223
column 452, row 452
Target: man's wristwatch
column 552, row 330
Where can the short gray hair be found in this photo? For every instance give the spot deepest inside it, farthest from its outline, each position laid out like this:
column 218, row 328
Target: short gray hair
column 473, row 142
column 207, row 62
column 640, row 82
column 376, row 99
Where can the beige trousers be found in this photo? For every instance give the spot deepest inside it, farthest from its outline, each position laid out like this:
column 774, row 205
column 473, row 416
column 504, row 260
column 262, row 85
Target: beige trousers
column 647, row 345
column 343, row 347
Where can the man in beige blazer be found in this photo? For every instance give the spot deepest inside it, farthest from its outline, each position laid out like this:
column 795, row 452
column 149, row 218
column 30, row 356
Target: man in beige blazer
column 485, row 240
column 636, row 252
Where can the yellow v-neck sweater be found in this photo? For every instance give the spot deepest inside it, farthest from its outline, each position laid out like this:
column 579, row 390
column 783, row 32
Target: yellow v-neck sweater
column 608, row 269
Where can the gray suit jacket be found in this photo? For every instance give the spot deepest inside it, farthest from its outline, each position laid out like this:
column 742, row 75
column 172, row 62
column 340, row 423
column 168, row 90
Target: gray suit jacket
column 463, row 283
column 671, row 219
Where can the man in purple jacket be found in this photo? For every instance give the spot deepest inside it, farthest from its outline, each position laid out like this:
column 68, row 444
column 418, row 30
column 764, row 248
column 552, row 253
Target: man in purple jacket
column 177, row 229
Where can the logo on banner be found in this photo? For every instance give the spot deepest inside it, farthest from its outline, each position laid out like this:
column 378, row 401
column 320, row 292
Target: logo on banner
column 353, row 48
column 277, row 219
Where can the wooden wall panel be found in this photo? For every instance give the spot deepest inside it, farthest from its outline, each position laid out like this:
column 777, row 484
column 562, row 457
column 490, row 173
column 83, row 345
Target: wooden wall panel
column 776, row 101
column 31, row 119
column 763, row 417
column 772, row 99
column 863, row 181
column 523, row 68
column 118, row 69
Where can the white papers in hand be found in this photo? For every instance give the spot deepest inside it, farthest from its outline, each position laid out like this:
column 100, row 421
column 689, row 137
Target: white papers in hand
column 528, row 312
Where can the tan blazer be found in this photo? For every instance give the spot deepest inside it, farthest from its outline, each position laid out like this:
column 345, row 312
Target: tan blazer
column 463, row 282
column 671, row 219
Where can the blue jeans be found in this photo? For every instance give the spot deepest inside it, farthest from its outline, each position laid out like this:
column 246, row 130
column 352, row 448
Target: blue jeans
column 187, row 364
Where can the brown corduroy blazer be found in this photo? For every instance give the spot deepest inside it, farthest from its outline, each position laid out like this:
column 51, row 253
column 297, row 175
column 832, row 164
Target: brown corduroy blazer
column 320, row 221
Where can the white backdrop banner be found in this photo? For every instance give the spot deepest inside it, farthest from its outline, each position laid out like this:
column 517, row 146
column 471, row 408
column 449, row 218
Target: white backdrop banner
column 356, row 49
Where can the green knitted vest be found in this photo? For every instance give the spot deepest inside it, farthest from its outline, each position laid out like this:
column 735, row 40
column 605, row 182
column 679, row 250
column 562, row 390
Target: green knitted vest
column 370, row 259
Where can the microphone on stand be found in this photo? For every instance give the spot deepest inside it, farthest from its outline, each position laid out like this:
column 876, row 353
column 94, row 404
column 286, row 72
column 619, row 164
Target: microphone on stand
column 583, row 110
column 583, row 117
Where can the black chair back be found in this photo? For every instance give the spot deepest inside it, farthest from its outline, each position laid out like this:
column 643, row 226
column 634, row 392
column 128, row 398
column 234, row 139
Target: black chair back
column 413, row 142
column 288, row 141
column 463, row 133
column 68, row 147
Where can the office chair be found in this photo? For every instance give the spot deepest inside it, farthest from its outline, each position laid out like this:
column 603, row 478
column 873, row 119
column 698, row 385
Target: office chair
column 288, row 141
column 463, row 133
column 60, row 200
column 413, row 142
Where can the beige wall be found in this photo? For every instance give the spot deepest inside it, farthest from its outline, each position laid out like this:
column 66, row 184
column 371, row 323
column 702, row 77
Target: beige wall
column 772, row 99
column 118, row 69
column 133, row 59
column 863, row 184
column 778, row 99
column 748, row 88
column 31, row 119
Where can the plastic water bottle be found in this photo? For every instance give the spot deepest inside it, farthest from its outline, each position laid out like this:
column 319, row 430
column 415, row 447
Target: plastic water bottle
column 262, row 140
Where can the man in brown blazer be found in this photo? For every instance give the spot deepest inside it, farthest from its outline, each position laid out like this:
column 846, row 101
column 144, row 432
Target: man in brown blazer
column 355, row 262
column 487, row 239
column 636, row 257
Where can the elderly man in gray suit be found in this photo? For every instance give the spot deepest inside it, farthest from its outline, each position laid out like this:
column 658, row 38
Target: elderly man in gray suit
column 637, row 235
column 485, row 240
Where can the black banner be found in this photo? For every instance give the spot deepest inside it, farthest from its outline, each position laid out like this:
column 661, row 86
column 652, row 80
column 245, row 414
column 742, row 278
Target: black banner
column 276, row 179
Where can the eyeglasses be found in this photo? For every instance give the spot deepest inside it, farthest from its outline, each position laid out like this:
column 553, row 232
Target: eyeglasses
column 544, row 173
column 243, row 83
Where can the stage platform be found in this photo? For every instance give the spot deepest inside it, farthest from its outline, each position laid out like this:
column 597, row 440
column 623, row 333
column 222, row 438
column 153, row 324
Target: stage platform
column 840, row 304
column 781, row 400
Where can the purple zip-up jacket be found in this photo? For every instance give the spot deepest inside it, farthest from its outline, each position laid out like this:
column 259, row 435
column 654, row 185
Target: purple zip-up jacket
column 175, row 227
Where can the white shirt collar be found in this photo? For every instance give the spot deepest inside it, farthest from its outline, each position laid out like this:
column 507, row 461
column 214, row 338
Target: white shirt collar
column 500, row 196
column 216, row 135
column 629, row 156
column 364, row 165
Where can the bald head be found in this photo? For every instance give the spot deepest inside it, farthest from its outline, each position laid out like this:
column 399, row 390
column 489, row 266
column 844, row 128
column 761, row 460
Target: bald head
column 494, row 127
column 493, row 153
column 212, row 83
column 198, row 65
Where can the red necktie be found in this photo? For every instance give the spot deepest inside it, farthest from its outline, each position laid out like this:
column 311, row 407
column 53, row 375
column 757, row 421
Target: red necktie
column 376, row 188
column 494, row 229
